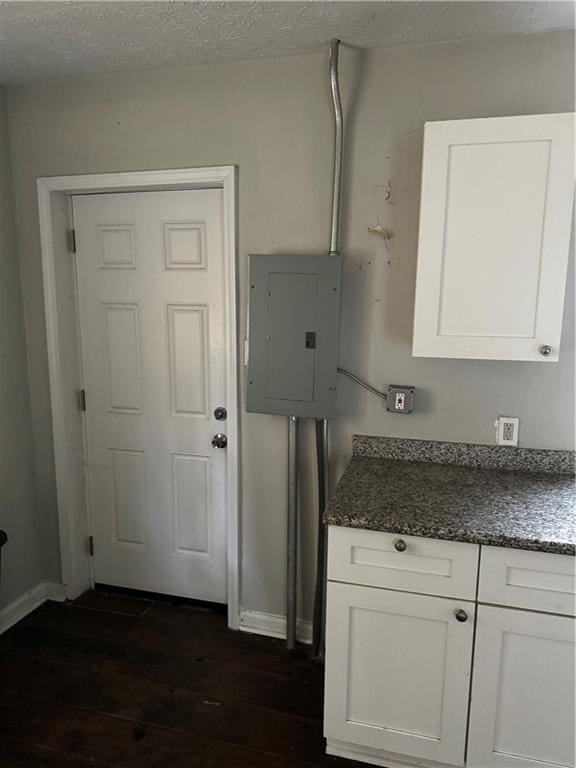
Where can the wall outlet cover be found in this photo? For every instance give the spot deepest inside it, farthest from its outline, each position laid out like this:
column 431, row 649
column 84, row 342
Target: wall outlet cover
column 507, row 428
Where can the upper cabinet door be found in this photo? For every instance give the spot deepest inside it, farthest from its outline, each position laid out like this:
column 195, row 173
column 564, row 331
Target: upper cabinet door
column 494, row 238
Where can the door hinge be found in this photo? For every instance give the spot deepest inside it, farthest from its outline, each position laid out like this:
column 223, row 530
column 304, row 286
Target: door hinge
column 71, row 235
column 91, row 546
column 82, row 399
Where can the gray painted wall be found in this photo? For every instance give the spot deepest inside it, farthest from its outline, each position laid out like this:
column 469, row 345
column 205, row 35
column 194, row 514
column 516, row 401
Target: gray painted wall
column 23, row 560
column 272, row 119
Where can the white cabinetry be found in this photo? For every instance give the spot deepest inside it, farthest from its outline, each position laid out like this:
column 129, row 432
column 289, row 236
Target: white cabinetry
column 495, row 218
column 403, row 616
column 398, row 671
column 522, row 710
column 407, row 563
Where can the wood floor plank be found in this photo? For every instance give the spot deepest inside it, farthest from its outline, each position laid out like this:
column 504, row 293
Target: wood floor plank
column 299, row 694
column 122, row 742
column 114, row 603
column 17, row 755
column 241, row 724
column 191, row 632
column 75, row 619
column 106, row 682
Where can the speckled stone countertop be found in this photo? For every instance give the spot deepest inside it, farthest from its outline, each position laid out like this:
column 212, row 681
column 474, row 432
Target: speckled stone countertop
column 509, row 498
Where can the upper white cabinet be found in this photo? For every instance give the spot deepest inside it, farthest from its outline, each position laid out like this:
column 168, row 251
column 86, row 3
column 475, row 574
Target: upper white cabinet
column 495, row 221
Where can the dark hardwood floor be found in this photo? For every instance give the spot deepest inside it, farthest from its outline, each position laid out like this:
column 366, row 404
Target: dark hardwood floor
column 114, row 680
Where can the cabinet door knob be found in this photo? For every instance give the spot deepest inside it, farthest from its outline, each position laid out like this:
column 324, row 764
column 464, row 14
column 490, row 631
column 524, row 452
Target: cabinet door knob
column 400, row 545
column 545, row 350
column 460, row 615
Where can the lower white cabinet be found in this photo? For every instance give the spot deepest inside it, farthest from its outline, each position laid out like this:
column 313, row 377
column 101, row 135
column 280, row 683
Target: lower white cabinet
column 398, row 671
column 418, row 678
column 522, row 709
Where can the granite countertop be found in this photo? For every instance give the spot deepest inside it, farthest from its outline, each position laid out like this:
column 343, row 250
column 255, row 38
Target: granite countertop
column 407, row 487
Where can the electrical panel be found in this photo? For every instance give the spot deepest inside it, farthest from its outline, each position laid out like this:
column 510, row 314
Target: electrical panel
column 294, row 309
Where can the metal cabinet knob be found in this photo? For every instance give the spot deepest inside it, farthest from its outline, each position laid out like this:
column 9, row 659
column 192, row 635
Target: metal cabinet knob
column 460, row 615
column 219, row 440
column 400, row 545
column 220, row 413
column 545, row 350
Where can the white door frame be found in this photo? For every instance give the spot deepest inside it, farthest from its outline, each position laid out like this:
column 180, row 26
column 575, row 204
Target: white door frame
column 62, row 330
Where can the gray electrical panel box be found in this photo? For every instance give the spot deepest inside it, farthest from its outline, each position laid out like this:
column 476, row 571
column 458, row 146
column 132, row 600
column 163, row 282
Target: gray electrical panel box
column 293, row 336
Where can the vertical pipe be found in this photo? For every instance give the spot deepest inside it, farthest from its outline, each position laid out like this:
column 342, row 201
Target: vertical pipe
column 325, row 438
column 318, row 619
column 338, row 144
column 322, row 433
column 326, row 441
column 291, row 574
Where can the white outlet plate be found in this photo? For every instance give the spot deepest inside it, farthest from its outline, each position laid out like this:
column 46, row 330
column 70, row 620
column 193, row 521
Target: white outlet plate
column 507, row 428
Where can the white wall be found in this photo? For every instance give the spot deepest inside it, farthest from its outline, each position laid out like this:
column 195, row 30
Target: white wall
column 272, row 119
column 23, row 557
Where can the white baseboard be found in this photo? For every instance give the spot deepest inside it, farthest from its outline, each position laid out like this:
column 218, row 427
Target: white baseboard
column 271, row 625
column 28, row 602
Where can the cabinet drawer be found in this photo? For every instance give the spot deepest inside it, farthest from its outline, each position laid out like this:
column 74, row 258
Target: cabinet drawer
column 539, row 581
column 429, row 566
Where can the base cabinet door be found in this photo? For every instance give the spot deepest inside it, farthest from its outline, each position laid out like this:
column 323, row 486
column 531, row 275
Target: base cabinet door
column 522, row 709
column 398, row 672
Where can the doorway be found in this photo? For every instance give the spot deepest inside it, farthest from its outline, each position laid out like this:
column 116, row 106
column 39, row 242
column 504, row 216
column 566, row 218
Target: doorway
column 156, row 350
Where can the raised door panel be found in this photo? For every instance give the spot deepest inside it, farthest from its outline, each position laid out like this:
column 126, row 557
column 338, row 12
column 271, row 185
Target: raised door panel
column 122, row 358
column 522, row 710
column 397, row 672
column 128, row 494
column 494, row 237
column 191, row 496
column 188, row 348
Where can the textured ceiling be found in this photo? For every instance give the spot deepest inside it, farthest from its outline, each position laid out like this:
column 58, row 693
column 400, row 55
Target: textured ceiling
column 52, row 40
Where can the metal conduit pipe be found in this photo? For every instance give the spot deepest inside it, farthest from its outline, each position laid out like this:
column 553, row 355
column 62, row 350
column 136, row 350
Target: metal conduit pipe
column 292, row 533
column 318, row 617
column 322, row 435
column 338, row 146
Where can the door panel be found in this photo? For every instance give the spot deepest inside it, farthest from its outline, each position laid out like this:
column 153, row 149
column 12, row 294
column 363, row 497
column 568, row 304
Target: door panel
column 522, row 712
column 397, row 672
column 151, row 283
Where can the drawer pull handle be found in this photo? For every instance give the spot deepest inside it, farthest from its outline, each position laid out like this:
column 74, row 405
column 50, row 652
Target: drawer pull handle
column 460, row 615
column 400, row 545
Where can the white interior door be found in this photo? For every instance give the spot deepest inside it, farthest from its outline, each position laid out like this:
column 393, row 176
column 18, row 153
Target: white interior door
column 151, row 285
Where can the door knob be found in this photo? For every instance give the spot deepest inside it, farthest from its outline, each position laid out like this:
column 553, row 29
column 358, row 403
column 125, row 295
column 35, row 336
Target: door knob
column 461, row 615
column 546, row 350
column 219, row 440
